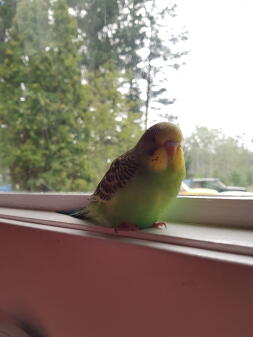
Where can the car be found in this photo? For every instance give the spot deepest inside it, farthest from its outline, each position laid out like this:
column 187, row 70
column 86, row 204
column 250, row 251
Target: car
column 213, row 183
column 186, row 190
column 6, row 188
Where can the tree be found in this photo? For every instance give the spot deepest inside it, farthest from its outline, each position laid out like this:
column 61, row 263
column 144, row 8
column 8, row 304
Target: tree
column 133, row 35
column 70, row 89
column 111, row 32
column 41, row 90
column 60, row 127
column 210, row 153
column 129, row 40
column 96, row 20
column 7, row 12
column 113, row 126
column 160, row 55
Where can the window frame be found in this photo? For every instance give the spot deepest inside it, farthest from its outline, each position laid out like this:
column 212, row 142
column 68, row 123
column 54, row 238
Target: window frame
column 209, row 210
column 212, row 227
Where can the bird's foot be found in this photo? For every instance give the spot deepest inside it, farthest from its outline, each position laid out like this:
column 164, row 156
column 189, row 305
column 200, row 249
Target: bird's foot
column 125, row 226
column 159, row 225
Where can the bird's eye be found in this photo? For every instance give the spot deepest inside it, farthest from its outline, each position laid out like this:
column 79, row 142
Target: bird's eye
column 153, row 139
column 152, row 151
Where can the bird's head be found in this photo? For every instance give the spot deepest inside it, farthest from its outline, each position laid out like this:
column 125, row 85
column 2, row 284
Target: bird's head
column 160, row 147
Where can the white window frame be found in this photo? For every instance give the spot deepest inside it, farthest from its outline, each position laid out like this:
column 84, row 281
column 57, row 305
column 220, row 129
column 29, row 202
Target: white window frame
column 209, row 210
column 213, row 227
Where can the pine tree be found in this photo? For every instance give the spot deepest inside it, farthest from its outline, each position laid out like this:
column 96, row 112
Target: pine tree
column 7, row 12
column 70, row 90
column 161, row 55
column 114, row 128
column 133, row 34
column 60, row 126
column 41, row 91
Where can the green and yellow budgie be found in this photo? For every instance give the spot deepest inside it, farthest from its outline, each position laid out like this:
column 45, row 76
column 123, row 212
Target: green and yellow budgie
column 139, row 184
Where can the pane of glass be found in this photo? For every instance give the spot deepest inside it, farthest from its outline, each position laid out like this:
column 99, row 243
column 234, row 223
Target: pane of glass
column 214, row 100
column 80, row 80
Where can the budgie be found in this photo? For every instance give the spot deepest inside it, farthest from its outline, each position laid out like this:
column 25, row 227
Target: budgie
column 140, row 184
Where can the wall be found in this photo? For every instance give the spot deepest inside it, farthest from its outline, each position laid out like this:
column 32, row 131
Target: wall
column 70, row 284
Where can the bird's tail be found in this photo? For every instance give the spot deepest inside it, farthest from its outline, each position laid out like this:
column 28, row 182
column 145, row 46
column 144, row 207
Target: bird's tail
column 77, row 213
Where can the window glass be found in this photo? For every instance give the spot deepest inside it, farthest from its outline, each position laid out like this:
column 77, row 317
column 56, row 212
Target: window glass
column 81, row 79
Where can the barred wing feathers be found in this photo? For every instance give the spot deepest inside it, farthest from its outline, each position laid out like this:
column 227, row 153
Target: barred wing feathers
column 119, row 174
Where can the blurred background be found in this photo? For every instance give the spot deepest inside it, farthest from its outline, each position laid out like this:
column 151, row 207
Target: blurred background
column 80, row 80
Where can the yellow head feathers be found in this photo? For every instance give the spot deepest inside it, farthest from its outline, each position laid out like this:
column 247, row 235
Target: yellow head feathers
column 160, row 147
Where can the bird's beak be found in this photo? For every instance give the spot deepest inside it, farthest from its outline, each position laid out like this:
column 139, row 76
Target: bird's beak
column 171, row 147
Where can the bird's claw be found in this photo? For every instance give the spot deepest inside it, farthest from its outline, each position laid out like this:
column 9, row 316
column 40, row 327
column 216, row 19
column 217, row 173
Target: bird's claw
column 159, row 225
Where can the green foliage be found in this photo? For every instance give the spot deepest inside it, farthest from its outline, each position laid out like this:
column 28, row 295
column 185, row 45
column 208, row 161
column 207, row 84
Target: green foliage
column 128, row 33
column 70, row 88
column 209, row 153
column 7, row 12
column 113, row 127
column 60, row 126
column 41, row 90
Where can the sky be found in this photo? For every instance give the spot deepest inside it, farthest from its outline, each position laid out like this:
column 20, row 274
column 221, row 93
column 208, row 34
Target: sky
column 215, row 87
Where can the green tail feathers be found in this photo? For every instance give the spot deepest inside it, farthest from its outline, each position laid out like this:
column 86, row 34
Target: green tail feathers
column 77, row 213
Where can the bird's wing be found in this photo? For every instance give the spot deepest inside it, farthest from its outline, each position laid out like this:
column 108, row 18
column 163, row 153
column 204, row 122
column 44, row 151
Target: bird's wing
column 119, row 174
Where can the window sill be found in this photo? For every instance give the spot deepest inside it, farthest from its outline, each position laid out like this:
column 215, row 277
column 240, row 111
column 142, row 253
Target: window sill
column 209, row 210
column 219, row 243
column 50, row 262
